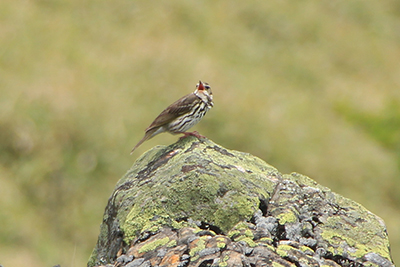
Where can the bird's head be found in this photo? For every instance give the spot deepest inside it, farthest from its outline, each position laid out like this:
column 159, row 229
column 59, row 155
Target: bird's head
column 203, row 90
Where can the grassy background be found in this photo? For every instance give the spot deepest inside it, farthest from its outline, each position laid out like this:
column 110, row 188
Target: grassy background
column 308, row 86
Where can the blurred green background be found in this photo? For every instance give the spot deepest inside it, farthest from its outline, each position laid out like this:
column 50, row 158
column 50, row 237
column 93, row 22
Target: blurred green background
column 308, row 86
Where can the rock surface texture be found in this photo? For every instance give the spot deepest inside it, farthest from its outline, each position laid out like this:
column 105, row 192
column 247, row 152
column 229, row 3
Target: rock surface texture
column 195, row 203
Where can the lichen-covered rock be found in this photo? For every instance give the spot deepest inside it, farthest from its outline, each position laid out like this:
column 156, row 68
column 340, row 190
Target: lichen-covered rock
column 195, row 203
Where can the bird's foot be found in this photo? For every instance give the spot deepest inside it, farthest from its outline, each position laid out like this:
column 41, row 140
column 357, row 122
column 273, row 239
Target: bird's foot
column 195, row 133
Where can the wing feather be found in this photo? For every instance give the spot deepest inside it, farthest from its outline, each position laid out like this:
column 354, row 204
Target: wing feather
column 176, row 109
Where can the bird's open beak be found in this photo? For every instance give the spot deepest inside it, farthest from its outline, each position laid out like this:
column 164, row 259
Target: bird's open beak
column 201, row 86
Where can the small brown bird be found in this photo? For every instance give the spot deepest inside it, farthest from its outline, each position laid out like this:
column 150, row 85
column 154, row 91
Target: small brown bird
column 182, row 114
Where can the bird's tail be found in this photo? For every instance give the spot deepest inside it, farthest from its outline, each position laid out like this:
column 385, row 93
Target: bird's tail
column 147, row 136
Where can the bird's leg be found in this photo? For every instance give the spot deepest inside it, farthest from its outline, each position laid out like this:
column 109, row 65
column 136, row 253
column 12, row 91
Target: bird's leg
column 195, row 133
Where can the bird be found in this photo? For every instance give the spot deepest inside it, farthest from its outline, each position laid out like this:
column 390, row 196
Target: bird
column 182, row 115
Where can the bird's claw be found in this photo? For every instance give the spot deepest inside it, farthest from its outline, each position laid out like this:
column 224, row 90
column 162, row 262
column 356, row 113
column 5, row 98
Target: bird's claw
column 195, row 133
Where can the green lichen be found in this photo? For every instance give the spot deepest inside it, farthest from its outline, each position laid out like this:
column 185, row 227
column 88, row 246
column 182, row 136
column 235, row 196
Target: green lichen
column 234, row 233
column 241, row 226
column 221, row 242
column 201, row 181
column 283, row 250
column 235, row 207
column 224, row 261
column 267, row 245
column 339, row 241
column 288, row 217
column 221, row 245
column 248, row 240
column 139, row 221
column 249, row 233
column 195, row 258
column 241, row 232
column 305, row 249
column 200, row 245
column 171, row 243
column 191, row 193
column 270, row 247
column 154, row 245
column 240, row 229
column 197, row 229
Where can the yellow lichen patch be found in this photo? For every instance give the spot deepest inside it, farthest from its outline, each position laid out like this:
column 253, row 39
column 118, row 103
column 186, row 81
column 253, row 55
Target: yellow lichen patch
column 306, row 249
column 154, row 245
column 288, row 217
column 234, row 233
column 341, row 241
column 196, row 246
column 248, row 240
column 221, row 245
column 171, row 243
column 283, row 250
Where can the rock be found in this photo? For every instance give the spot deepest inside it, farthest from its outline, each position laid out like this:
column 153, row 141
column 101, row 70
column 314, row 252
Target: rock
column 195, row 203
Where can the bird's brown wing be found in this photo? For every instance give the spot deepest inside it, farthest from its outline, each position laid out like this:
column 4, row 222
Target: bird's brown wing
column 176, row 109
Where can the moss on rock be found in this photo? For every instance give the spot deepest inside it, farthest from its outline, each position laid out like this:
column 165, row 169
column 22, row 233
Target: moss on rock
column 191, row 180
column 196, row 202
